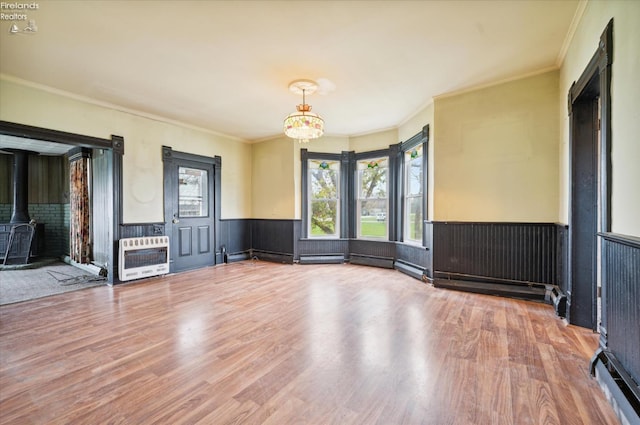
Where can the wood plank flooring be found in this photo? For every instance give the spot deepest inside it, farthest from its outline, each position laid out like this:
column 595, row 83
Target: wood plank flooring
column 263, row 343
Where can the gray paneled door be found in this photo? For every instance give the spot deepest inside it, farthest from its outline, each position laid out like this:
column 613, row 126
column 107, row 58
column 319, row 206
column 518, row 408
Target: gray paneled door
column 189, row 204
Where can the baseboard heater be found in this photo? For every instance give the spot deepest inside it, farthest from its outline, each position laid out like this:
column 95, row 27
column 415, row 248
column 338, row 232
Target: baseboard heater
column 322, row 259
column 275, row 257
column 493, row 286
column 559, row 300
column 143, row 257
column 371, row 260
column 237, row 256
column 410, row 269
column 619, row 387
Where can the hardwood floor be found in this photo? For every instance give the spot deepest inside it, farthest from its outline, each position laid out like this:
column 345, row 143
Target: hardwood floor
column 263, row 343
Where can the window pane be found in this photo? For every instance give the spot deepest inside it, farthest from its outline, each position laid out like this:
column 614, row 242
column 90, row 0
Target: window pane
column 414, row 177
column 373, row 218
column 372, row 198
column 192, row 192
column 324, row 218
column 414, row 194
column 324, row 194
column 373, row 183
column 413, row 219
column 324, row 184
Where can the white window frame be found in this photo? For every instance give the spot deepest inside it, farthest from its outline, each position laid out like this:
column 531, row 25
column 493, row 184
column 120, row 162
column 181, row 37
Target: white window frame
column 359, row 199
column 407, row 197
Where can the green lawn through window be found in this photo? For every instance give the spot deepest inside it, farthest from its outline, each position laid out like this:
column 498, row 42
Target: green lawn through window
column 373, row 228
column 369, row 227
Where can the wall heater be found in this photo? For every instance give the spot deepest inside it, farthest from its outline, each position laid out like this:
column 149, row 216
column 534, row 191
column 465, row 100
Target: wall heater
column 143, row 257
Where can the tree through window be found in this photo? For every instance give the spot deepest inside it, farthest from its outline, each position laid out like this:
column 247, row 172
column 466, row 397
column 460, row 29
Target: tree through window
column 372, row 198
column 324, row 198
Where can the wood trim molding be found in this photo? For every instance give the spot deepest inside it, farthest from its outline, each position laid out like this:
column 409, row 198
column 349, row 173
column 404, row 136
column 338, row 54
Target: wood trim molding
column 601, row 59
column 63, row 137
column 169, row 154
column 116, row 144
column 78, row 153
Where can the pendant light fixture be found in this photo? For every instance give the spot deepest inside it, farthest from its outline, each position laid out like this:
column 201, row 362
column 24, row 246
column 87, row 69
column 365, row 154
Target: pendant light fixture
column 303, row 125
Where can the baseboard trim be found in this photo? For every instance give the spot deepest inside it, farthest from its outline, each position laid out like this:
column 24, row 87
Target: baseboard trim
column 275, row 257
column 369, row 260
column 322, row 259
column 619, row 388
column 527, row 292
column 238, row 256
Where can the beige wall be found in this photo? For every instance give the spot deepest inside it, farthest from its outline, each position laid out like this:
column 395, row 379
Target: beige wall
column 496, row 152
column 273, row 183
column 144, row 137
column 373, row 141
column 414, row 124
column 410, row 128
column 625, row 106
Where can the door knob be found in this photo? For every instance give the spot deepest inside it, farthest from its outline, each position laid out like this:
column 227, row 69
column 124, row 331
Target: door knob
column 175, row 220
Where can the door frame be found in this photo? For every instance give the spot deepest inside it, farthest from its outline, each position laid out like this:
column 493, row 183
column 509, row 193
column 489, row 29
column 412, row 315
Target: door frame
column 168, row 158
column 594, row 83
column 115, row 144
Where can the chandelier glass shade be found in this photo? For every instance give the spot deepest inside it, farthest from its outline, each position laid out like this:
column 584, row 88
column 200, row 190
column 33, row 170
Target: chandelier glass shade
column 303, row 125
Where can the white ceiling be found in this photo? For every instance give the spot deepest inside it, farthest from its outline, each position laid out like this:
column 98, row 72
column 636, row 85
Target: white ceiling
column 43, row 147
column 226, row 65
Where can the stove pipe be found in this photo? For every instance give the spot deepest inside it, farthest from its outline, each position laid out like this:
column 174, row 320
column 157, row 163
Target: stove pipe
column 20, row 186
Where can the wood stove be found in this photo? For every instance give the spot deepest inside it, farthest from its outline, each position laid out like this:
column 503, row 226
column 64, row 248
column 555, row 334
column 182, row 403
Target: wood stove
column 21, row 238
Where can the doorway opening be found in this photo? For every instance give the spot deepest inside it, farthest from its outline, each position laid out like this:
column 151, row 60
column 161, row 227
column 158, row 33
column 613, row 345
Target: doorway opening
column 47, row 179
column 590, row 184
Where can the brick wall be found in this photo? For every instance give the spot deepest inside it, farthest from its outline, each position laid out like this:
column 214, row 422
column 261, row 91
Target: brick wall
column 56, row 220
column 5, row 213
column 56, row 227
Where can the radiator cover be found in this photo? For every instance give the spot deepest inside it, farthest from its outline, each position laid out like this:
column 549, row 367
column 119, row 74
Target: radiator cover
column 143, row 257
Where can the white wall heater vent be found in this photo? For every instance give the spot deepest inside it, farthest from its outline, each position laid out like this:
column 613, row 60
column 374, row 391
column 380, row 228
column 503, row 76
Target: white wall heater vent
column 143, row 257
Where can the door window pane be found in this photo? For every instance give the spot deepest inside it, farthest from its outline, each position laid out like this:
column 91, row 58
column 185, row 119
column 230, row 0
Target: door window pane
column 192, row 192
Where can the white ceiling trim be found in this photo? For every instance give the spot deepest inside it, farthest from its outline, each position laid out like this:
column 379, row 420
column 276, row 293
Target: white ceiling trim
column 416, row 112
column 380, row 130
column 496, row 83
column 154, row 117
column 95, row 102
column 577, row 18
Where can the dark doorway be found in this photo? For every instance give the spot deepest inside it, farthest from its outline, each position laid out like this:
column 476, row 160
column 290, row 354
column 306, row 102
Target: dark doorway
column 108, row 178
column 583, row 221
column 190, row 193
column 589, row 208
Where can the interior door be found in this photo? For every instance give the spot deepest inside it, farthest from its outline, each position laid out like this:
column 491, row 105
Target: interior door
column 189, row 188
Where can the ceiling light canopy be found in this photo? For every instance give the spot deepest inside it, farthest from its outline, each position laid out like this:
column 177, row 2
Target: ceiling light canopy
column 303, row 124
